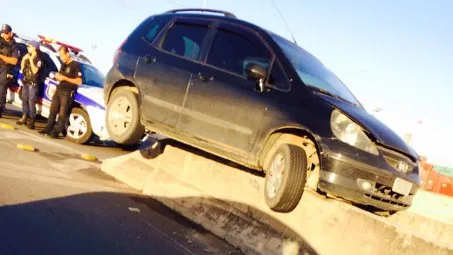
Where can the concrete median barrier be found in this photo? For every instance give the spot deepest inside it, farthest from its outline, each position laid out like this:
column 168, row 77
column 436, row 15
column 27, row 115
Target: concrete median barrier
column 228, row 200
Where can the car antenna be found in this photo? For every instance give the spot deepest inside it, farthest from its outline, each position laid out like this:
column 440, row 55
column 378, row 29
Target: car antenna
column 284, row 21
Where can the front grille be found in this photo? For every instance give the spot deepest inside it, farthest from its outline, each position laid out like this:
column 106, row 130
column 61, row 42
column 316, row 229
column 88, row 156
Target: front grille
column 385, row 194
column 391, row 161
column 388, row 201
column 386, row 191
column 397, row 161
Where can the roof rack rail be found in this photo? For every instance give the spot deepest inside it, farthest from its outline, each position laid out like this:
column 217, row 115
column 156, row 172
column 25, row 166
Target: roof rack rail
column 227, row 14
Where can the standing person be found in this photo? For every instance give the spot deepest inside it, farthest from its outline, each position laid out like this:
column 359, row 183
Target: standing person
column 9, row 54
column 30, row 69
column 70, row 77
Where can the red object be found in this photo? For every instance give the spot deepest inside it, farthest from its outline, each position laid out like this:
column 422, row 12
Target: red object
column 50, row 40
column 436, row 182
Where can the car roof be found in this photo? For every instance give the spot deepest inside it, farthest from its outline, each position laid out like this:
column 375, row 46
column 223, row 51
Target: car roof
column 229, row 17
column 212, row 17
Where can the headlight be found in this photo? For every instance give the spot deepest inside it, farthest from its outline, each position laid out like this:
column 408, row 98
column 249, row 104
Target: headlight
column 351, row 133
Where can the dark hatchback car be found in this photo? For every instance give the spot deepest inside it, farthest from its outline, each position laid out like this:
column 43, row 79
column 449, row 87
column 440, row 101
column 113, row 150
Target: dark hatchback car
column 248, row 95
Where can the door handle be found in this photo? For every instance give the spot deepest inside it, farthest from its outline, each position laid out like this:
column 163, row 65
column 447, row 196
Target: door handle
column 149, row 59
column 205, row 78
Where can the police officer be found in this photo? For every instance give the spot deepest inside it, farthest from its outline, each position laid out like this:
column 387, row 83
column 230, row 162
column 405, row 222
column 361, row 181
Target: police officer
column 70, row 77
column 30, row 69
column 9, row 54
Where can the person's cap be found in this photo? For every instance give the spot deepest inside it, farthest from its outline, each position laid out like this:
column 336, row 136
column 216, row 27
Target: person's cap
column 34, row 43
column 6, row 29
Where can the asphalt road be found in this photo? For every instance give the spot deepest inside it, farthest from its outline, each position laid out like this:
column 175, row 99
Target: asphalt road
column 54, row 202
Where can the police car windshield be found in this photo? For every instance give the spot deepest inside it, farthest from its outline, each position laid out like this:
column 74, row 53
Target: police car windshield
column 312, row 72
column 92, row 76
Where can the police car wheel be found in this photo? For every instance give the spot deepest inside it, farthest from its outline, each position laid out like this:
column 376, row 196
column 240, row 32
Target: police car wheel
column 79, row 127
column 123, row 117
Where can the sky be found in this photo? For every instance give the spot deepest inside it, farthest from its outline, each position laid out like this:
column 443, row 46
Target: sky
column 395, row 56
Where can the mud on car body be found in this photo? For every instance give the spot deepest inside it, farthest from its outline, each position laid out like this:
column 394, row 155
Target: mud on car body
column 248, row 95
column 88, row 111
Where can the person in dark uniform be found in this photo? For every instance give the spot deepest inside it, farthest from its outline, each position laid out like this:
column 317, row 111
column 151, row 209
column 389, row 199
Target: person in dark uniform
column 70, row 77
column 9, row 54
column 30, row 69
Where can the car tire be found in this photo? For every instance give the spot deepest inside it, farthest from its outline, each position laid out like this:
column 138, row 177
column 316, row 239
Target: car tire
column 285, row 177
column 123, row 117
column 79, row 128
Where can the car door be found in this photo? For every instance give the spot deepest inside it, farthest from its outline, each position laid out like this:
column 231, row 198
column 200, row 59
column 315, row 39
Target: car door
column 223, row 107
column 164, row 71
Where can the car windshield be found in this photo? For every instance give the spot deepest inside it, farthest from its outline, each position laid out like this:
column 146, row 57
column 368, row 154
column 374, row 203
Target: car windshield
column 312, row 72
column 92, row 76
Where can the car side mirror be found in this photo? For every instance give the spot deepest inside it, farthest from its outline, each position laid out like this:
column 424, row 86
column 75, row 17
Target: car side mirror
column 257, row 73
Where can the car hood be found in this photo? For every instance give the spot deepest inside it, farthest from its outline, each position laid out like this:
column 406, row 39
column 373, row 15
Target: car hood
column 383, row 134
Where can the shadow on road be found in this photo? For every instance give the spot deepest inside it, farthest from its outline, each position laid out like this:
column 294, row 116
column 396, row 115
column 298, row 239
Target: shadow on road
column 104, row 223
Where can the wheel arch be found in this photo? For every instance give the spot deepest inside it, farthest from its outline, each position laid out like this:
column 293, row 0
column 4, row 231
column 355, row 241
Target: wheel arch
column 77, row 104
column 122, row 83
column 275, row 135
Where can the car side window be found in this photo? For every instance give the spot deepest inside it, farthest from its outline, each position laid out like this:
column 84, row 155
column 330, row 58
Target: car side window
column 91, row 76
column 277, row 77
column 154, row 28
column 185, row 39
column 233, row 50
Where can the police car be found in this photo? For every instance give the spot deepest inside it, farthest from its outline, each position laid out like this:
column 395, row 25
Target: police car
column 88, row 112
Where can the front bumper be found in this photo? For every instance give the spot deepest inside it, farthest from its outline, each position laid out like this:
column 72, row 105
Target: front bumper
column 344, row 177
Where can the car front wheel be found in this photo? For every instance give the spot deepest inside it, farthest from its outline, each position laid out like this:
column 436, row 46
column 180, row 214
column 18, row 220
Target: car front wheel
column 285, row 177
column 123, row 118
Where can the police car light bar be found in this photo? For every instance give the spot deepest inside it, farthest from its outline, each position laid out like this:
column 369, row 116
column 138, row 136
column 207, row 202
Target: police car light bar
column 50, row 40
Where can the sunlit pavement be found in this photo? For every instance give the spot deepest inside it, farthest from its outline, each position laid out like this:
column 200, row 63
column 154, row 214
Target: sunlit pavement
column 54, row 202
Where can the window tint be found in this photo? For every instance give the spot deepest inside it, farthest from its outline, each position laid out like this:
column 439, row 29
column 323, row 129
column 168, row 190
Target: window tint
column 233, row 51
column 48, row 63
column 154, row 28
column 91, row 76
column 185, row 39
column 278, row 77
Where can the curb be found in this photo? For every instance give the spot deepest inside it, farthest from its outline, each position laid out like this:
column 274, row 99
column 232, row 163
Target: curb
column 211, row 194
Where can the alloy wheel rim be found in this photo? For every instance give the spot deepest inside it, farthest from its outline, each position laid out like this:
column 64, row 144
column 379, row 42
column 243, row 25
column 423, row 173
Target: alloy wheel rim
column 120, row 115
column 78, row 126
column 275, row 175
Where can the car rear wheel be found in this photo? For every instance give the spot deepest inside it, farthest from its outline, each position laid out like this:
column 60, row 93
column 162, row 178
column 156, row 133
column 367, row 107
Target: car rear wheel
column 123, row 118
column 285, row 177
column 79, row 128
